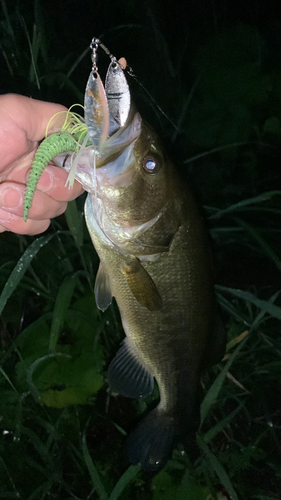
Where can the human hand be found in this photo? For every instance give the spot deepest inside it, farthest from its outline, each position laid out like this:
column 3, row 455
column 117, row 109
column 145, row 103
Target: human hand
column 23, row 122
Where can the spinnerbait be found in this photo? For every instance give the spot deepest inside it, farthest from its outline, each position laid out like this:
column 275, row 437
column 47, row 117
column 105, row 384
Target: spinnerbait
column 72, row 134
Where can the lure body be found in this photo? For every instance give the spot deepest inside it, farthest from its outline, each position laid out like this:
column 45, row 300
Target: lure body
column 52, row 146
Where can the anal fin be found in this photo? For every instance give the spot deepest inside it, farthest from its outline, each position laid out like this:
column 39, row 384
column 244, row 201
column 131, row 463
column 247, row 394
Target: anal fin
column 127, row 376
column 102, row 289
column 142, row 285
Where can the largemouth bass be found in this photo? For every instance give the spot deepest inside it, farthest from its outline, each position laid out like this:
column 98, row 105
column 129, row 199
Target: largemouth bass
column 155, row 260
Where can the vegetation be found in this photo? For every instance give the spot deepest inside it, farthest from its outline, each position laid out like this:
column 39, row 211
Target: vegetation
column 218, row 83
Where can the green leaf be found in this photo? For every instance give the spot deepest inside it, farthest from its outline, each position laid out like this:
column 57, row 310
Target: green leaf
column 96, row 480
column 261, row 241
column 38, row 445
column 4, row 470
column 61, row 306
column 59, row 379
column 212, row 151
column 241, row 205
column 221, row 425
column 74, row 222
column 218, row 468
column 266, row 306
column 212, row 394
column 20, row 268
column 124, row 480
column 72, row 373
column 7, row 378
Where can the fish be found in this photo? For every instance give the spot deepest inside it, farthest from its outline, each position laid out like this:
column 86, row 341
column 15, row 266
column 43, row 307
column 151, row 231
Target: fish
column 155, row 259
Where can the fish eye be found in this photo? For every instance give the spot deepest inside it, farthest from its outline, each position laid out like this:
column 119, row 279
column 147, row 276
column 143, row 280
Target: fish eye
column 151, row 165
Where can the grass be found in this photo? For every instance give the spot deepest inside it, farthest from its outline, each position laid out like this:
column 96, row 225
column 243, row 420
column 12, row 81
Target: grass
column 62, row 434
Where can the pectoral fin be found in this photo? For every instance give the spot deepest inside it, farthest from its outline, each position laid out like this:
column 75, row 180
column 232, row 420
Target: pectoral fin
column 102, row 289
column 142, row 285
column 127, row 376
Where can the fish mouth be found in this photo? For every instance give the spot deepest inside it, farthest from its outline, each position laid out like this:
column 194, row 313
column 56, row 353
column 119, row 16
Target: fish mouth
column 114, row 166
column 117, row 144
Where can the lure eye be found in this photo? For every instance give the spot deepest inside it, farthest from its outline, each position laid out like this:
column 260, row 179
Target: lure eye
column 151, row 165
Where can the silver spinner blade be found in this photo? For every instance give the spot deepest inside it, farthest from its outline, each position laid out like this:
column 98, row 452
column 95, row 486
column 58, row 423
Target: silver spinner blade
column 117, row 93
column 96, row 110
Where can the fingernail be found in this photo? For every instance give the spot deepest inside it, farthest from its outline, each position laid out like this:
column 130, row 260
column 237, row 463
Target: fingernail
column 10, row 197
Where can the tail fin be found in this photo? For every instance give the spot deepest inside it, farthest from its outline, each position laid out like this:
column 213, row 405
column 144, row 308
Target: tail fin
column 150, row 443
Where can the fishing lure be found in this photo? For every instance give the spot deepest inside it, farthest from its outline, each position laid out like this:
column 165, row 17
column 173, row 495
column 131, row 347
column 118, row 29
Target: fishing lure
column 69, row 138
column 78, row 133
column 73, row 135
column 52, row 146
